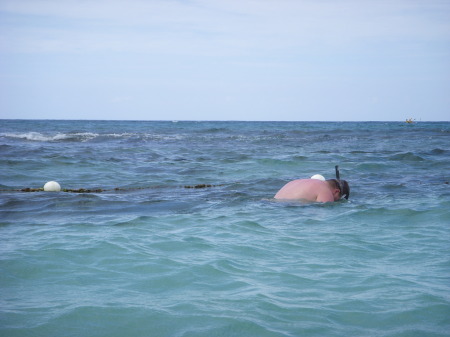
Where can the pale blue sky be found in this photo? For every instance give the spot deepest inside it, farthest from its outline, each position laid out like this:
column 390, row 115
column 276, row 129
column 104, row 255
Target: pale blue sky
column 225, row 59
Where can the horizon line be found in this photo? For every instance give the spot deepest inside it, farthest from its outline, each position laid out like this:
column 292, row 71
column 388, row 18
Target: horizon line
column 224, row 120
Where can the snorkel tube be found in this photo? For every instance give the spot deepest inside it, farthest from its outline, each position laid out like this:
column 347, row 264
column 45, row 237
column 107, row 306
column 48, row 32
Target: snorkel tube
column 338, row 176
column 343, row 185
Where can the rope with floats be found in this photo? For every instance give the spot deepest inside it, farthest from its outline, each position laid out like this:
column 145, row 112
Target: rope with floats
column 100, row 190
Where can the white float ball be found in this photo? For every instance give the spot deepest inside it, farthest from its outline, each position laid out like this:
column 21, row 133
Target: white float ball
column 318, row 177
column 52, row 186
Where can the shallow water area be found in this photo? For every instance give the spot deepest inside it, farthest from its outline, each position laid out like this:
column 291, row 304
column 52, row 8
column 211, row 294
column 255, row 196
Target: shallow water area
column 151, row 255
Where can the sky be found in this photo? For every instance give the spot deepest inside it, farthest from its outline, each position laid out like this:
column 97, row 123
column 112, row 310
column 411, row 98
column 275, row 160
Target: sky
column 260, row 60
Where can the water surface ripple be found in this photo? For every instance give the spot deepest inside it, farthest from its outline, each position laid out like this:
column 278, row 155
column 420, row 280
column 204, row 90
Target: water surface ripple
column 150, row 257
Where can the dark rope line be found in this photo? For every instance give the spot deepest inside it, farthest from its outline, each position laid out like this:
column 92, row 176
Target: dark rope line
column 100, row 190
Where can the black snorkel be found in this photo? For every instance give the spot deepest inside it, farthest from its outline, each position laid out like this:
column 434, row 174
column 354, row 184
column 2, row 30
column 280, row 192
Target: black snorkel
column 343, row 185
column 338, row 176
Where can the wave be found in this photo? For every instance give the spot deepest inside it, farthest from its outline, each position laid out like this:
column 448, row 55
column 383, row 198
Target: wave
column 40, row 137
column 87, row 136
column 438, row 151
column 407, row 156
column 213, row 130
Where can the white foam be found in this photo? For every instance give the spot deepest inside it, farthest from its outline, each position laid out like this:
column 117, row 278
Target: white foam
column 83, row 136
column 35, row 136
column 86, row 136
column 39, row 137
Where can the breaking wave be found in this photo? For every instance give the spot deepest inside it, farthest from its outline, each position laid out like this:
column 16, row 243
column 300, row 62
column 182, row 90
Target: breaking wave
column 40, row 137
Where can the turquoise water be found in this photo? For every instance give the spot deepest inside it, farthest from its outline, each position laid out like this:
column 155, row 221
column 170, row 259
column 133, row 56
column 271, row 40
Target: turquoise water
column 150, row 257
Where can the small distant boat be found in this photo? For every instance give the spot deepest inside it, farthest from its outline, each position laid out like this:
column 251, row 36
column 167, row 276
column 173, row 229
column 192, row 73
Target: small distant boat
column 410, row 121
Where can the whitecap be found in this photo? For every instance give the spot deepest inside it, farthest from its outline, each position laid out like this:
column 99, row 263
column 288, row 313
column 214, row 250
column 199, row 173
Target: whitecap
column 33, row 136
column 39, row 137
column 82, row 136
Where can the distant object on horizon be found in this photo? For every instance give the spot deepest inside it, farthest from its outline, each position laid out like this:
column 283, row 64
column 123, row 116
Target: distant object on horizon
column 410, row 121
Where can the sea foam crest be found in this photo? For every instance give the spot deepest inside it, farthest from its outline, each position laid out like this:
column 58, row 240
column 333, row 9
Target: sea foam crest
column 87, row 136
column 39, row 137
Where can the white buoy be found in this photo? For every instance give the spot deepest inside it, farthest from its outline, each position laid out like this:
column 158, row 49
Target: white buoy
column 52, row 186
column 318, row 177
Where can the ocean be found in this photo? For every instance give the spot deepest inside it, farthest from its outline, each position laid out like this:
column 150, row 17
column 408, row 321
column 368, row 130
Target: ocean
column 169, row 228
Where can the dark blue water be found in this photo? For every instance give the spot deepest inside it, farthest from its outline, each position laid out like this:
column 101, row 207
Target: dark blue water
column 148, row 256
